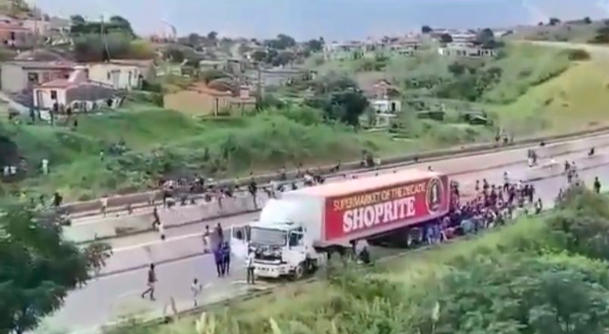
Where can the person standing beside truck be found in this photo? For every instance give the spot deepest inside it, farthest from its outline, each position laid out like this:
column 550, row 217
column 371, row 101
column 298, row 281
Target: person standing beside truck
column 249, row 264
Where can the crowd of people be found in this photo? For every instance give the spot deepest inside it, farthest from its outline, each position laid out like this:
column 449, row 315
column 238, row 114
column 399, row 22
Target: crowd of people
column 491, row 205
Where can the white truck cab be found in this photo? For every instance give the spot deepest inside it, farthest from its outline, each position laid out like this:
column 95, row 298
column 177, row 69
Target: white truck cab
column 281, row 249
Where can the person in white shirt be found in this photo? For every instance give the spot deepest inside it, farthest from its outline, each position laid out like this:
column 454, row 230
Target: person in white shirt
column 104, row 205
column 249, row 264
column 196, row 289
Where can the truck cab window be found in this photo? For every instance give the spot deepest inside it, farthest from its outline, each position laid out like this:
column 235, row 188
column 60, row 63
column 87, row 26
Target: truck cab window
column 295, row 239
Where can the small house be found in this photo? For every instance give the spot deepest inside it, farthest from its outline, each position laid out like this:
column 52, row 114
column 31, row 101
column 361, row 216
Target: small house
column 75, row 94
column 19, row 76
column 386, row 102
column 121, row 76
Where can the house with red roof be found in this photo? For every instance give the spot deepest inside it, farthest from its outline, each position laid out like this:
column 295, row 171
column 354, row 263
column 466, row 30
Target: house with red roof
column 74, row 94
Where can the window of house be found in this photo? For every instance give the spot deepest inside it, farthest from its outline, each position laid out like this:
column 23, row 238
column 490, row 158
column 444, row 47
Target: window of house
column 32, row 77
column 53, row 95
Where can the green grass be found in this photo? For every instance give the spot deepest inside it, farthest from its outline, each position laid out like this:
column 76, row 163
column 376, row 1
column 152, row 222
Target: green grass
column 162, row 142
column 578, row 98
column 316, row 306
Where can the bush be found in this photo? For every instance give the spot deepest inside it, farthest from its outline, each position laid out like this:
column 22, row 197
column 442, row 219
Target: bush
column 579, row 55
column 146, row 97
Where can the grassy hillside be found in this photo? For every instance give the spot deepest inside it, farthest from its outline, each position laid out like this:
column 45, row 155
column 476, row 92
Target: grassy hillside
column 576, row 33
column 577, row 98
column 160, row 142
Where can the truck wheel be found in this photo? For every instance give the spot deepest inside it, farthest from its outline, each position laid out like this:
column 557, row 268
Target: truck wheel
column 311, row 267
column 298, row 272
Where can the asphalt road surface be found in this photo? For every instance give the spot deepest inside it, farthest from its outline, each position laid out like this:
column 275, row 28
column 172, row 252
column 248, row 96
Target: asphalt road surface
column 116, row 293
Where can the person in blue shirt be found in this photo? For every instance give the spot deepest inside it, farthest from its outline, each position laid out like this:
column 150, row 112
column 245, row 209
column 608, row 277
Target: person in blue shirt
column 218, row 257
column 226, row 258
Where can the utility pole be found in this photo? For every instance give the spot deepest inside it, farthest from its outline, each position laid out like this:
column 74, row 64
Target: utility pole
column 259, row 88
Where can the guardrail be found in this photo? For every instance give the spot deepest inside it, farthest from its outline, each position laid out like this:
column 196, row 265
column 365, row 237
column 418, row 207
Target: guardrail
column 137, row 200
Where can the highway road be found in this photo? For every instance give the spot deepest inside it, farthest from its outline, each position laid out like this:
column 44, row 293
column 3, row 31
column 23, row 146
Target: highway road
column 87, row 228
column 116, row 293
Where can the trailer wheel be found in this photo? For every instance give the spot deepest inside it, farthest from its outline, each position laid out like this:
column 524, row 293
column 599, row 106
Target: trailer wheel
column 311, row 266
column 298, row 272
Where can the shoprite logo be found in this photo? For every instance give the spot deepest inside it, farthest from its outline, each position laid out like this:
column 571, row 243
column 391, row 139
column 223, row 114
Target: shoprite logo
column 435, row 195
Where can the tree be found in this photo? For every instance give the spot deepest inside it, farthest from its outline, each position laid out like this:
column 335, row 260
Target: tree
column 485, row 36
column 123, row 24
column 175, row 55
column 426, row 29
column 38, row 267
column 259, row 55
column 456, row 68
column 315, row 45
column 446, row 38
column 587, row 20
column 211, row 75
column 282, row 42
column 141, row 49
column 77, row 19
column 194, row 39
column 602, row 36
column 283, row 58
column 212, row 35
column 554, row 21
column 340, row 99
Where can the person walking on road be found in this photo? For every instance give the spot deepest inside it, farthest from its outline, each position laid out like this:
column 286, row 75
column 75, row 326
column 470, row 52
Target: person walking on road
column 597, row 185
column 207, row 240
column 226, row 259
column 220, row 234
column 253, row 189
column 104, row 205
column 151, row 283
column 218, row 257
column 156, row 219
column 538, row 206
column 196, row 289
column 249, row 263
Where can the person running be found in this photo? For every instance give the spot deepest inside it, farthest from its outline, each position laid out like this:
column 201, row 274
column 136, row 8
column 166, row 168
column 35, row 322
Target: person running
column 156, row 220
column 104, row 205
column 249, row 264
column 597, row 185
column 161, row 231
column 151, row 283
column 196, row 289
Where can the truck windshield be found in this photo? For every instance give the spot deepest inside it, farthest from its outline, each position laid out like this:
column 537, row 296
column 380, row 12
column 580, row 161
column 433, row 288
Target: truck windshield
column 269, row 237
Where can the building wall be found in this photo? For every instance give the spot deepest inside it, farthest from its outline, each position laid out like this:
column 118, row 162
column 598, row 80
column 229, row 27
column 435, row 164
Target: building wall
column 13, row 78
column 385, row 106
column 117, row 76
column 43, row 97
column 16, row 37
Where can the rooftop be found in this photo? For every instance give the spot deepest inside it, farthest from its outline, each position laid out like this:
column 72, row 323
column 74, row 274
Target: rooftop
column 31, row 64
column 355, row 186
